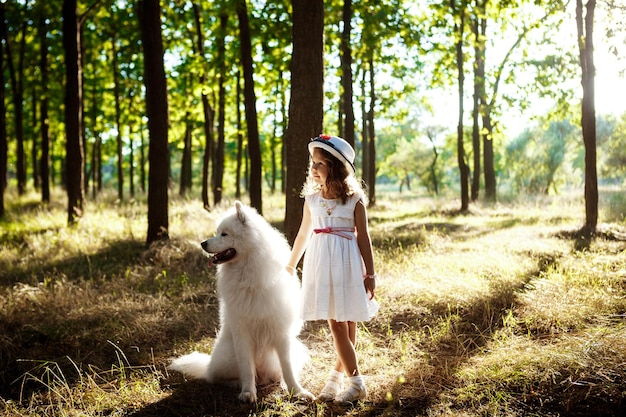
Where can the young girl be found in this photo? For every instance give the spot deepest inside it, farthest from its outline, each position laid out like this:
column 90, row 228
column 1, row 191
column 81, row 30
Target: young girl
column 338, row 278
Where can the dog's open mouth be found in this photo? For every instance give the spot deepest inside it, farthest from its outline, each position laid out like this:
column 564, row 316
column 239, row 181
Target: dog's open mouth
column 221, row 257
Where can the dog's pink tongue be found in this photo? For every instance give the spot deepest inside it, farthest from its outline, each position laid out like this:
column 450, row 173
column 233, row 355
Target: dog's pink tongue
column 213, row 260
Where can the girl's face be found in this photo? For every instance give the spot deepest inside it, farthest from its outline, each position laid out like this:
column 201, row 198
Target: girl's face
column 319, row 167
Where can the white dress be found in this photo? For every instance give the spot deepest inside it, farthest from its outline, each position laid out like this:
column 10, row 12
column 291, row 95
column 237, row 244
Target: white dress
column 332, row 276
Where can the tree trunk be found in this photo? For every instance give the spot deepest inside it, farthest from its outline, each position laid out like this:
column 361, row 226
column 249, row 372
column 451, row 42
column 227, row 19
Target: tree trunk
column 479, row 82
column 16, row 76
column 34, row 151
column 588, row 117
column 44, row 162
column 131, row 160
column 118, row 121
column 157, row 112
column 142, row 163
column 305, row 103
column 463, row 168
column 74, row 166
column 239, row 139
column 371, row 136
column 346, row 73
column 364, row 137
column 218, row 161
column 254, row 142
column 185, row 166
column 488, row 160
column 3, row 126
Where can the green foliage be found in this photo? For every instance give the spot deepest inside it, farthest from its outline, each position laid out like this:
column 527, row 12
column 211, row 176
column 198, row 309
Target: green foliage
column 548, row 152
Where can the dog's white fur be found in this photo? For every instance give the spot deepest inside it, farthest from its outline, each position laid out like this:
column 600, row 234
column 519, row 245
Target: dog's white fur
column 259, row 310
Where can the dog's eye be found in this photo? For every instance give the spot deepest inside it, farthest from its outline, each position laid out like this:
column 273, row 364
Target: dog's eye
column 224, row 234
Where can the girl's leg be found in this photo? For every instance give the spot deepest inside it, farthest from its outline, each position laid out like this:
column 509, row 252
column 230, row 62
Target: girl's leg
column 344, row 334
column 352, row 336
column 334, row 383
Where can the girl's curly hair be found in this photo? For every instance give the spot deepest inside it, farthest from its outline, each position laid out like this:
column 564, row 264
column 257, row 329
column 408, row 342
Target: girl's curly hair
column 339, row 182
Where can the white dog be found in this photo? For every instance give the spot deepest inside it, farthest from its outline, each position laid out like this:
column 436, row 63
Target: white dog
column 259, row 310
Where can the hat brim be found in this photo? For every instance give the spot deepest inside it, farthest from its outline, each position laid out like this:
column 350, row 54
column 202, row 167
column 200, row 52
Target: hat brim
column 327, row 146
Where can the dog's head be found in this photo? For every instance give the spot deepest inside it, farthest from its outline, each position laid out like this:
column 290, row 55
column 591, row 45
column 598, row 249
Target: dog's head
column 230, row 237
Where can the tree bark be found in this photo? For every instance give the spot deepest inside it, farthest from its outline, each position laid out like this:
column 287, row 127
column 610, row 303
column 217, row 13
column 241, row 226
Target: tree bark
column 346, row 73
column 254, row 142
column 463, row 168
column 74, row 166
column 208, row 114
column 305, row 103
column 218, row 161
column 16, row 77
column 185, row 166
column 479, row 84
column 44, row 162
column 3, row 126
column 588, row 116
column 371, row 138
column 118, row 120
column 157, row 112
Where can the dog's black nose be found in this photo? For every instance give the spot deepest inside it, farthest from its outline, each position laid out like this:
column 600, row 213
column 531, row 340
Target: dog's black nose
column 204, row 244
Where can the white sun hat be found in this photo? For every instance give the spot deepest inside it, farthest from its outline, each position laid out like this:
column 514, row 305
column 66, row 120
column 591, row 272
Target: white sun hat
column 337, row 147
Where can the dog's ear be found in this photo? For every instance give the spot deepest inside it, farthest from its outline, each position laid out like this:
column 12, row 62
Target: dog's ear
column 241, row 215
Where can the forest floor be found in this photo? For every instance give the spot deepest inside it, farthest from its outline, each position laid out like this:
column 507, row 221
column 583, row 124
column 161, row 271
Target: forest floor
column 500, row 311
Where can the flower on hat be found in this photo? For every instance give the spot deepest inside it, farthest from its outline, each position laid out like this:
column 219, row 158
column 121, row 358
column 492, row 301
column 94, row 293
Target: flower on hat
column 325, row 137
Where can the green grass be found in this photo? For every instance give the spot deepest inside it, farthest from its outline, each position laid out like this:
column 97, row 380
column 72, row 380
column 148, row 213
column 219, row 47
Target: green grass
column 499, row 311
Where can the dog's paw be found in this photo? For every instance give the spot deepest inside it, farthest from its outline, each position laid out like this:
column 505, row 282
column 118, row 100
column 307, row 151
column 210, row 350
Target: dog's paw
column 247, row 397
column 303, row 394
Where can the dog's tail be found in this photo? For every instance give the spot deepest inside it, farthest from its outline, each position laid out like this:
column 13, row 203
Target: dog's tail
column 194, row 365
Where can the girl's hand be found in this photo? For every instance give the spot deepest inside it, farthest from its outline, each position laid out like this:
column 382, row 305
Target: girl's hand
column 370, row 285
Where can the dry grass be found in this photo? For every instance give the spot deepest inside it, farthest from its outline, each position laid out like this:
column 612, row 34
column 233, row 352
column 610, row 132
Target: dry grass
column 494, row 312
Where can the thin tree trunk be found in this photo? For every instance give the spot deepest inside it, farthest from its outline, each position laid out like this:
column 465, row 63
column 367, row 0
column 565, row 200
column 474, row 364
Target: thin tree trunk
column 371, row 137
column 74, row 167
column 463, row 168
column 239, row 139
column 218, row 163
column 588, row 117
column 208, row 114
column 118, row 121
column 254, row 143
column 479, row 79
column 346, row 73
column 16, row 77
column 3, row 126
column 44, row 162
column 185, row 168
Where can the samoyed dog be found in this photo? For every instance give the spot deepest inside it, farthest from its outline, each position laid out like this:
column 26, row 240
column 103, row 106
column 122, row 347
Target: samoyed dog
column 259, row 310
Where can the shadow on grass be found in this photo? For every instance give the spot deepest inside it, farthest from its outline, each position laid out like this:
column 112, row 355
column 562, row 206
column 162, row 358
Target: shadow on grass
column 112, row 260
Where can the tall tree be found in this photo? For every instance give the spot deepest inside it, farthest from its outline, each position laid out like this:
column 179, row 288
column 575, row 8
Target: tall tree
column 74, row 165
column 16, row 78
column 157, row 112
column 44, row 162
column 584, row 25
column 3, row 126
column 218, row 165
column 305, row 103
column 458, row 12
column 346, row 74
column 254, row 141
column 207, row 110
column 118, row 117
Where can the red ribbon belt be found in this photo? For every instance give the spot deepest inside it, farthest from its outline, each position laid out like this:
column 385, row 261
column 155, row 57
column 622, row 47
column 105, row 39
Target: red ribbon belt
column 338, row 231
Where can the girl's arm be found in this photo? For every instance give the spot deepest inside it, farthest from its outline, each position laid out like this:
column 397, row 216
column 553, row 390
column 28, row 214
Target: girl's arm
column 365, row 246
column 302, row 239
